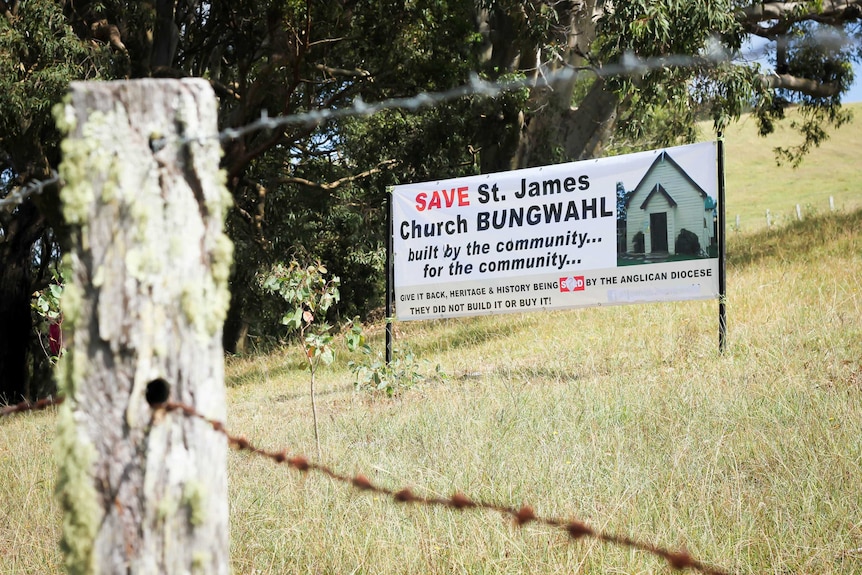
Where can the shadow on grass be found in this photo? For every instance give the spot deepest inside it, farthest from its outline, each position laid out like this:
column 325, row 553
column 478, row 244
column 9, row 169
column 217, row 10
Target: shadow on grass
column 538, row 372
column 461, row 333
column 836, row 233
column 258, row 374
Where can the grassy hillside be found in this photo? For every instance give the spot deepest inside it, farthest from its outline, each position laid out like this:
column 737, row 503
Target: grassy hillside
column 626, row 418
column 755, row 184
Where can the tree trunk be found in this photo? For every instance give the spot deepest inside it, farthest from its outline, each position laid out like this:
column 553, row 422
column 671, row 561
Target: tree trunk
column 15, row 324
column 236, row 327
column 165, row 37
column 143, row 490
column 560, row 133
column 551, row 129
column 16, row 283
column 587, row 128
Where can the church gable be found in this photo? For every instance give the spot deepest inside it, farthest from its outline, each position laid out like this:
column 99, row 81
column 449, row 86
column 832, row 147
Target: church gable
column 659, row 190
column 665, row 172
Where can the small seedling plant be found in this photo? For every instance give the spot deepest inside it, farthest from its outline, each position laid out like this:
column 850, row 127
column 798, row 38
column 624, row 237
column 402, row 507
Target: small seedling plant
column 309, row 294
column 393, row 378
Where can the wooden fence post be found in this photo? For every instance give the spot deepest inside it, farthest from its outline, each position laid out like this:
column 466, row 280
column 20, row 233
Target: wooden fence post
column 143, row 491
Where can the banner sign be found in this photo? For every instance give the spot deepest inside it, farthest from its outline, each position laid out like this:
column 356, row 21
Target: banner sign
column 626, row 229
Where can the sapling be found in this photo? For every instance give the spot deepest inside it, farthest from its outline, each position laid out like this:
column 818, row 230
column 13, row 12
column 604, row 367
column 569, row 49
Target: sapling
column 309, row 295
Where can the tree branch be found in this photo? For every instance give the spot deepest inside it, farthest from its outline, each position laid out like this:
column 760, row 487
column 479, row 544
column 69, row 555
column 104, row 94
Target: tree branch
column 225, row 91
column 339, row 182
column 244, row 214
column 831, row 11
column 805, row 86
column 357, row 73
column 106, row 32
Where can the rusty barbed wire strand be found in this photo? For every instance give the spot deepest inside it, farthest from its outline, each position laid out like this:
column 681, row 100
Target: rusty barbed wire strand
column 575, row 529
column 25, row 406
column 525, row 514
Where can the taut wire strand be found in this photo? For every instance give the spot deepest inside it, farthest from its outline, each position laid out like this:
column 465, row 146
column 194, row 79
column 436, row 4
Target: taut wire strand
column 17, row 196
column 521, row 516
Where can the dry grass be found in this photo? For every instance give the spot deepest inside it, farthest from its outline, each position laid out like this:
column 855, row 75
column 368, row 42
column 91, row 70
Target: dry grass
column 29, row 517
column 755, row 184
column 627, row 418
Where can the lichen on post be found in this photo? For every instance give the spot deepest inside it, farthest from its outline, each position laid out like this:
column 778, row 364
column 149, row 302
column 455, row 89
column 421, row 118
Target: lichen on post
column 145, row 201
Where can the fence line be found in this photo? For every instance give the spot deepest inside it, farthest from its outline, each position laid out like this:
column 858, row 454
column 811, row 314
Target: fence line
column 629, row 65
column 799, row 211
column 521, row 516
column 17, row 196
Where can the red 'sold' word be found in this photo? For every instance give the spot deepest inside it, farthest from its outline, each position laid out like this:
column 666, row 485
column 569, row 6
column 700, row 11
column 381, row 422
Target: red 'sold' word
column 442, row 198
column 570, row 283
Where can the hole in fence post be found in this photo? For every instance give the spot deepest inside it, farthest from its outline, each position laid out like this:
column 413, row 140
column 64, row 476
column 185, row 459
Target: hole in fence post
column 158, row 391
column 157, row 143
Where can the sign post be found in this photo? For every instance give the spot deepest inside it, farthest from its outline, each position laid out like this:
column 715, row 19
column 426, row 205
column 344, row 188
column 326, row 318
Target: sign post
column 722, row 288
column 389, row 280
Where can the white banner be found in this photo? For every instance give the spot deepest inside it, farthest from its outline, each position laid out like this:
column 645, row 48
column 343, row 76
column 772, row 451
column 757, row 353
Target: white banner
column 626, row 229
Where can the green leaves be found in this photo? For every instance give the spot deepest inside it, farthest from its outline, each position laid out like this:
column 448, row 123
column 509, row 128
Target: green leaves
column 293, row 320
column 318, row 348
column 46, row 302
column 355, row 338
column 402, row 373
column 304, row 289
column 308, row 295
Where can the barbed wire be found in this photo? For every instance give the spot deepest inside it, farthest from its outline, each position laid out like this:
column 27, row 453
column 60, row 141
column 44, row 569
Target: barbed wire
column 629, row 65
column 25, row 406
column 525, row 514
column 17, row 196
column 521, row 515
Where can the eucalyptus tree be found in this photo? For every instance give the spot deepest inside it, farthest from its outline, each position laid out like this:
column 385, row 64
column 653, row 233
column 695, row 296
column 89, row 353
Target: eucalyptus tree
column 261, row 56
column 644, row 71
column 626, row 75
column 39, row 55
column 298, row 190
column 44, row 45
